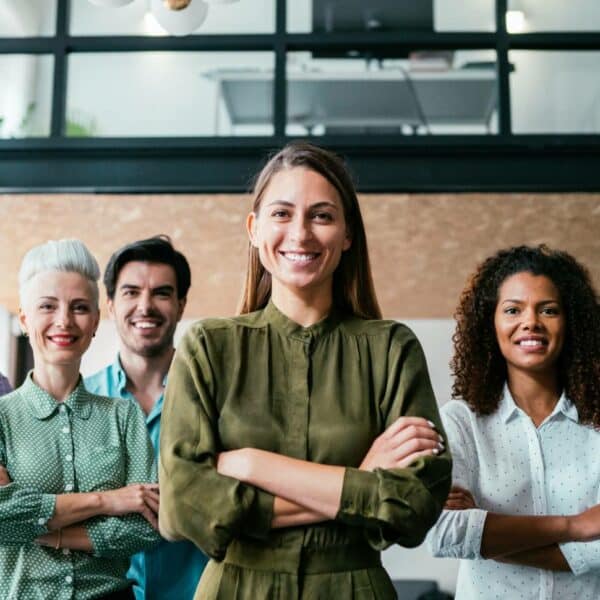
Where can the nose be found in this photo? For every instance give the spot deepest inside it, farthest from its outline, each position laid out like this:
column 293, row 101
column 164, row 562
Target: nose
column 64, row 317
column 301, row 230
column 145, row 303
column 531, row 319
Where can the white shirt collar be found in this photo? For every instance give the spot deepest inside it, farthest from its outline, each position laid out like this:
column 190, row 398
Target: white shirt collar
column 508, row 408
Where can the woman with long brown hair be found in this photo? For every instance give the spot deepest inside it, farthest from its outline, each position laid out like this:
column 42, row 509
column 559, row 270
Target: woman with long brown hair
column 524, row 433
column 302, row 437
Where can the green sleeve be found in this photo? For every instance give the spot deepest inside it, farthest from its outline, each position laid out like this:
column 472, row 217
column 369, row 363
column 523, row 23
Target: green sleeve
column 197, row 503
column 120, row 537
column 24, row 513
column 400, row 505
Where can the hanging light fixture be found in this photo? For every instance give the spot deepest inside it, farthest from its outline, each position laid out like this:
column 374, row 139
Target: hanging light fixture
column 111, row 3
column 179, row 17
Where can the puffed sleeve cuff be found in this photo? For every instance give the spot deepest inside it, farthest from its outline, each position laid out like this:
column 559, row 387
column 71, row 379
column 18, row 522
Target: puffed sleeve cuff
column 95, row 532
column 258, row 518
column 358, row 499
column 582, row 557
column 46, row 512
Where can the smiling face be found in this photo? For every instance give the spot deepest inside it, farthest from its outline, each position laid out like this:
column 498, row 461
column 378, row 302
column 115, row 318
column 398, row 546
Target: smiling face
column 530, row 323
column 60, row 316
column 145, row 307
column 300, row 232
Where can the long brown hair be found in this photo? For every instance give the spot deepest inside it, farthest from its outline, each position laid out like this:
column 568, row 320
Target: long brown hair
column 478, row 366
column 353, row 291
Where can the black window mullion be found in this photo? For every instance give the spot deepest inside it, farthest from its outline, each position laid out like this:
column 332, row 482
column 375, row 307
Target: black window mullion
column 502, row 45
column 59, row 88
column 280, row 77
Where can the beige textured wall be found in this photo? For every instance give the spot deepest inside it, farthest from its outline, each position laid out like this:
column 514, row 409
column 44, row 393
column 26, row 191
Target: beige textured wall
column 422, row 246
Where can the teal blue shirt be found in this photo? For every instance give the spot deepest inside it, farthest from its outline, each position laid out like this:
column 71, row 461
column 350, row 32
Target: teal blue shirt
column 171, row 570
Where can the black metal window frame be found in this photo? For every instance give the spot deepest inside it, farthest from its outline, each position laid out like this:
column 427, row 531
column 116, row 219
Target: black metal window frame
column 382, row 163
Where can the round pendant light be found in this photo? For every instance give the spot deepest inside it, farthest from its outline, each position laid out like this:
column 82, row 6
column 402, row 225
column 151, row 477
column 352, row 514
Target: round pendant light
column 179, row 17
column 111, row 3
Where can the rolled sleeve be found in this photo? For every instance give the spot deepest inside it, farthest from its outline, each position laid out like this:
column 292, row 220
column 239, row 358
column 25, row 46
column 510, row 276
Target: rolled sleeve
column 582, row 557
column 457, row 534
column 400, row 505
column 198, row 503
column 395, row 506
column 123, row 536
column 24, row 514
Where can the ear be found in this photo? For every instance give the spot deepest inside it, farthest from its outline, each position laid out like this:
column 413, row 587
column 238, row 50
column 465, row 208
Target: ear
column 182, row 302
column 251, row 228
column 97, row 321
column 347, row 242
column 22, row 320
column 111, row 308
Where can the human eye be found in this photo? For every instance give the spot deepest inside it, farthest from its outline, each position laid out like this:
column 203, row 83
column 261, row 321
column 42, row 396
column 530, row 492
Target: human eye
column 279, row 213
column 511, row 310
column 128, row 293
column 45, row 306
column 551, row 310
column 81, row 308
column 323, row 216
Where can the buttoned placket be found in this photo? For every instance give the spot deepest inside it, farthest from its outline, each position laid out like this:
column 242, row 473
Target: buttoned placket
column 299, row 401
column 538, row 488
column 68, row 467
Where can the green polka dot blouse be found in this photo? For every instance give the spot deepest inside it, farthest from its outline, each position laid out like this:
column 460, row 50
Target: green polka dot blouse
column 86, row 443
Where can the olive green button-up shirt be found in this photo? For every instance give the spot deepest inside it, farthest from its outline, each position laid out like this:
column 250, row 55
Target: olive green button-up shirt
column 321, row 394
column 86, row 443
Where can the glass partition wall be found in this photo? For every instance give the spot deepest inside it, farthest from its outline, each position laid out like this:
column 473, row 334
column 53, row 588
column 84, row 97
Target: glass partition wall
column 386, row 75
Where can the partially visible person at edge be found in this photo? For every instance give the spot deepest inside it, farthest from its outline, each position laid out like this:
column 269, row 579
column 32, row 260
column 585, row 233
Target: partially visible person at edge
column 73, row 502
column 302, row 437
column 147, row 283
column 524, row 506
column 5, row 386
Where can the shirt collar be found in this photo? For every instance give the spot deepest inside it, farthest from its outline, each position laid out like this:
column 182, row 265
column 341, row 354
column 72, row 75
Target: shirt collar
column 508, row 408
column 120, row 382
column 44, row 405
column 292, row 329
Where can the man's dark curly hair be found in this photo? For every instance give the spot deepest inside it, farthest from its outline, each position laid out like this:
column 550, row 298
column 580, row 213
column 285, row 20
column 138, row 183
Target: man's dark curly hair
column 478, row 366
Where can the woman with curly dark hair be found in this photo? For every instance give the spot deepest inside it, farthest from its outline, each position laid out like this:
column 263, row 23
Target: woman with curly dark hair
column 525, row 436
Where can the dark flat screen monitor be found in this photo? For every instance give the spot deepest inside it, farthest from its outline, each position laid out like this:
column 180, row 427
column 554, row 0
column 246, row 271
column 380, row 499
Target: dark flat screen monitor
column 331, row 16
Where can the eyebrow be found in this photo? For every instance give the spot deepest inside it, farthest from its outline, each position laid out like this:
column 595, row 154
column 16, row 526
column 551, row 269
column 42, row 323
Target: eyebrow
column 56, row 299
column 517, row 301
column 161, row 288
column 322, row 204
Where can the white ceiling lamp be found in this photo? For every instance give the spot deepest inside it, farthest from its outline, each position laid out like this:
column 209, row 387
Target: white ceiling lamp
column 179, row 17
column 111, row 3
column 515, row 21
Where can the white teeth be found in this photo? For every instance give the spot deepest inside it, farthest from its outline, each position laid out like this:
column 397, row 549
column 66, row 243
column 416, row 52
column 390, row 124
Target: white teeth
column 145, row 325
column 299, row 257
column 531, row 343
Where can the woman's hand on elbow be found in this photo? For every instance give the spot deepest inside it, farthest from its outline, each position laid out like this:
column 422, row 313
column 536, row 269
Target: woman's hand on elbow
column 4, row 476
column 459, row 499
column 142, row 498
column 585, row 526
column 403, row 442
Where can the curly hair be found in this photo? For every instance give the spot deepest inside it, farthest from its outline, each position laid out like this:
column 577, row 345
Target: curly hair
column 478, row 366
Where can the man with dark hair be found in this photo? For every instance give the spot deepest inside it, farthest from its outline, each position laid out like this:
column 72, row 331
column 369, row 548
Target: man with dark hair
column 147, row 284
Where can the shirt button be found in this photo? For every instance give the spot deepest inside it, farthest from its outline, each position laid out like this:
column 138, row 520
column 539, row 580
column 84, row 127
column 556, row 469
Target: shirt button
column 66, row 551
column 69, row 487
column 61, row 408
column 65, row 430
column 41, row 521
column 69, row 579
column 68, row 458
